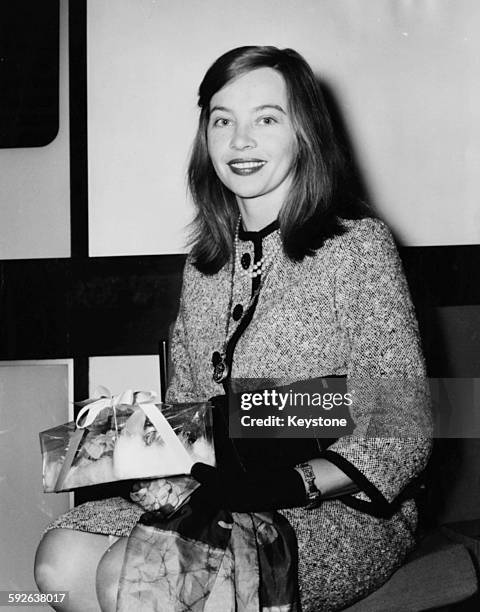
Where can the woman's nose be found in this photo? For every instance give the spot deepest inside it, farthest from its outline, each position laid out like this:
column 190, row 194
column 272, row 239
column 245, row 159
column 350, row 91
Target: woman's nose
column 242, row 138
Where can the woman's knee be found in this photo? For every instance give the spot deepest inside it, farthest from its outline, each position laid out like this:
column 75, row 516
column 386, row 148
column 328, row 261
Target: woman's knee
column 108, row 575
column 52, row 567
column 67, row 560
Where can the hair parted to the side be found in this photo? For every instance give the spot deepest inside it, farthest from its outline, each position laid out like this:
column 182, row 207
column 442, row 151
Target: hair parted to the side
column 320, row 195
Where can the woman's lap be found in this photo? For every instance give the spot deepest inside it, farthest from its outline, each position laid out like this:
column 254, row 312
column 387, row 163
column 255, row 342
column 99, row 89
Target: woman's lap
column 343, row 554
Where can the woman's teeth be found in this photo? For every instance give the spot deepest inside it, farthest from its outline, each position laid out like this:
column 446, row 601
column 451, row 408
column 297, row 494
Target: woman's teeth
column 247, row 164
column 246, row 167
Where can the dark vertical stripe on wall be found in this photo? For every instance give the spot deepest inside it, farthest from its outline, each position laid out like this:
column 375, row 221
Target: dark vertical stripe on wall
column 81, row 379
column 77, row 32
column 77, row 18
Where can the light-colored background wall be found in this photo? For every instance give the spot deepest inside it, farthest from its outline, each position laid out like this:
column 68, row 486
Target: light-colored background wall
column 404, row 74
column 137, row 372
column 34, row 396
column 35, row 185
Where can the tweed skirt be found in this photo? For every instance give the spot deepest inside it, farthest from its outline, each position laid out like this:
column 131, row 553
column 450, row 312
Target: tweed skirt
column 340, row 561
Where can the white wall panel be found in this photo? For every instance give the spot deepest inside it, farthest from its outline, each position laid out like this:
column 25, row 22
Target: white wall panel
column 119, row 373
column 35, row 184
column 404, row 74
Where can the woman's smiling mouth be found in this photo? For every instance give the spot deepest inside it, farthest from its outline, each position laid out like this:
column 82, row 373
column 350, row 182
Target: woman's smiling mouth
column 244, row 167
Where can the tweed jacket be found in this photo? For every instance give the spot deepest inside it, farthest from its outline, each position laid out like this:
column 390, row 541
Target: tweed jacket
column 344, row 311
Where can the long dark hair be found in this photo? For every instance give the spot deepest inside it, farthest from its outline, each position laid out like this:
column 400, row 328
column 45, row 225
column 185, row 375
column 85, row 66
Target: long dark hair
column 320, row 195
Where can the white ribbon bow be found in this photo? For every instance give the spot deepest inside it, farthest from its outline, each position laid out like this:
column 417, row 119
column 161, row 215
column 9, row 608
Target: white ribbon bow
column 102, row 398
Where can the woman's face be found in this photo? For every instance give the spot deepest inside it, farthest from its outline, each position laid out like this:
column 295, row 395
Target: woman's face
column 251, row 140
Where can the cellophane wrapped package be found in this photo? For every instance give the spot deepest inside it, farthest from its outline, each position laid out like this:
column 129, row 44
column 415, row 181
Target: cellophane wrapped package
column 126, row 437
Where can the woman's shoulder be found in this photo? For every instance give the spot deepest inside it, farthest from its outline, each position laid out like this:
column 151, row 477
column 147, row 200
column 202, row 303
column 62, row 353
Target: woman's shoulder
column 368, row 239
column 364, row 253
column 366, row 233
column 365, row 258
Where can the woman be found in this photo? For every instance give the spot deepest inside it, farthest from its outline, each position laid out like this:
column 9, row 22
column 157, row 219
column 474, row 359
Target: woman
column 288, row 280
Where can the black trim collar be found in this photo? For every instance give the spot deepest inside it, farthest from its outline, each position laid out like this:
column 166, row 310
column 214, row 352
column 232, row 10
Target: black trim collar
column 254, row 236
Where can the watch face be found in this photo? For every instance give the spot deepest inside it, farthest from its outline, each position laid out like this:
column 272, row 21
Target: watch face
column 308, row 472
column 313, row 494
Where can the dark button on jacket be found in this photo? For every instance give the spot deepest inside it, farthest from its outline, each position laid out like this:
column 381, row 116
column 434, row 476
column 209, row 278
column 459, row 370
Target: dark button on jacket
column 245, row 261
column 237, row 312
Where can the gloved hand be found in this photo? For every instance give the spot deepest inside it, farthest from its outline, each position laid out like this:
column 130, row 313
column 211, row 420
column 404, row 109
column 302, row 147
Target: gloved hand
column 260, row 492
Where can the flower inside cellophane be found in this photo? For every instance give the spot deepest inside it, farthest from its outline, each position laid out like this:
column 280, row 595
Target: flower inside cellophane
column 122, row 444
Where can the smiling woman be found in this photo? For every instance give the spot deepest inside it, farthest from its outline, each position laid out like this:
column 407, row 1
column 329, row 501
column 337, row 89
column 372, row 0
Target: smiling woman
column 289, row 280
column 252, row 144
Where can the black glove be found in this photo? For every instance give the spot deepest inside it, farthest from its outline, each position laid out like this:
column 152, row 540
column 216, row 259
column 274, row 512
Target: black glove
column 243, row 492
column 246, row 454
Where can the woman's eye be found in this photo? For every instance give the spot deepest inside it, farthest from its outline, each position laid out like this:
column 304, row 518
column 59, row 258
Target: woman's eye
column 221, row 122
column 267, row 120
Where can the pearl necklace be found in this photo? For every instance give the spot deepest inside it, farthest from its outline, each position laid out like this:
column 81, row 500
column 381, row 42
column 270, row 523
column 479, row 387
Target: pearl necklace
column 221, row 369
column 259, row 267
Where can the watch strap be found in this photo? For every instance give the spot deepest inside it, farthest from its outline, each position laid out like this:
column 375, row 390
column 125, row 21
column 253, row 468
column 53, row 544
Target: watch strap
column 313, row 492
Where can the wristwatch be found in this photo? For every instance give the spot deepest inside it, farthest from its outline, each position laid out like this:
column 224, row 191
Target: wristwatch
column 313, row 493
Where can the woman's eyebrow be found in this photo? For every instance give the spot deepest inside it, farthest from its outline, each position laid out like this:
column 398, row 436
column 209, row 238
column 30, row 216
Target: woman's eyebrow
column 274, row 106
column 224, row 109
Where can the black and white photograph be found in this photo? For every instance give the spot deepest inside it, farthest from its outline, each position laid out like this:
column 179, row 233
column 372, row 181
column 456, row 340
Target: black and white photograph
column 239, row 305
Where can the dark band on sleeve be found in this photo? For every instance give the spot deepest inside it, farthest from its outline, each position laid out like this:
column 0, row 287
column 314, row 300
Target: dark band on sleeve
column 378, row 506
